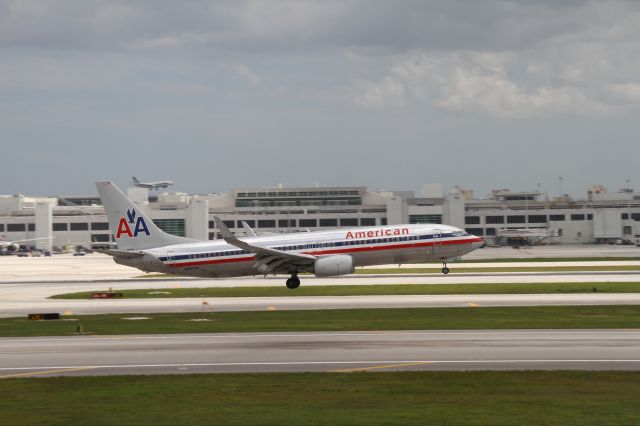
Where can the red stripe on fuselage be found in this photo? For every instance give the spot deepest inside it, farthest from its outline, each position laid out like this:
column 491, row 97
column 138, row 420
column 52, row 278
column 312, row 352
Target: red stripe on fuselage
column 336, row 251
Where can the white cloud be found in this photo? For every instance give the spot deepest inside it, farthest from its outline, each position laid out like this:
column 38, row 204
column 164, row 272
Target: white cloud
column 246, row 74
column 388, row 92
column 510, row 85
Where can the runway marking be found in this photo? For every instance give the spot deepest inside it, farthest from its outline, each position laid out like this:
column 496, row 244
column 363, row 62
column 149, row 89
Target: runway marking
column 35, row 373
column 378, row 367
column 50, row 370
column 626, row 331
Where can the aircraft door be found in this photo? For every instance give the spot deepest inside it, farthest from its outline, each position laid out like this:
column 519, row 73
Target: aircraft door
column 171, row 259
column 436, row 248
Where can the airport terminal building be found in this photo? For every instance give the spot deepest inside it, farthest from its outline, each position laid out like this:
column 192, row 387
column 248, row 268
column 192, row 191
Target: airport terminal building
column 505, row 217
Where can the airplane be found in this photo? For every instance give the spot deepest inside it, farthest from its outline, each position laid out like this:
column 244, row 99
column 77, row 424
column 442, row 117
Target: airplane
column 8, row 247
column 151, row 185
column 141, row 244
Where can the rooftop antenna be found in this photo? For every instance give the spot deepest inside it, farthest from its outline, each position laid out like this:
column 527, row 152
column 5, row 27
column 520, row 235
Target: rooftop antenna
column 560, row 185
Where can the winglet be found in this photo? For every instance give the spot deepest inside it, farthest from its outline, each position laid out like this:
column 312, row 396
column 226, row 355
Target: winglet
column 234, row 241
column 226, row 234
column 250, row 232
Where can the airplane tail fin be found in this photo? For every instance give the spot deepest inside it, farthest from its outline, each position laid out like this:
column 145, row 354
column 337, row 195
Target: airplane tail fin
column 133, row 229
column 135, row 179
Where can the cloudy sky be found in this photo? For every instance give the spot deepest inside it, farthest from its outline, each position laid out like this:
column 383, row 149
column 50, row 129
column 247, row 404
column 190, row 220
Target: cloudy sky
column 388, row 94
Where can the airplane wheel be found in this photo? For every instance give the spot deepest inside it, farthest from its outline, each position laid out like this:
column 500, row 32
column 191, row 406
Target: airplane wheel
column 445, row 270
column 293, row 283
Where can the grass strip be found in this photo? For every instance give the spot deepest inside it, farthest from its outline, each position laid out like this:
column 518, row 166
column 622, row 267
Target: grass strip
column 408, row 398
column 464, row 318
column 371, row 290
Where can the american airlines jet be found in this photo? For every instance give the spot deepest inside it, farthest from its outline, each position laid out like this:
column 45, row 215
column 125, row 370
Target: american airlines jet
column 141, row 244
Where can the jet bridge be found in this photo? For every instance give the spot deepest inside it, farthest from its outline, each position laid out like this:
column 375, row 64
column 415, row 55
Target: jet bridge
column 524, row 236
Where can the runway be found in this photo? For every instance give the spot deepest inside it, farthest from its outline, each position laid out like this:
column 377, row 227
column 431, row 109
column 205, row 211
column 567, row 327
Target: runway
column 20, row 295
column 321, row 351
column 220, row 304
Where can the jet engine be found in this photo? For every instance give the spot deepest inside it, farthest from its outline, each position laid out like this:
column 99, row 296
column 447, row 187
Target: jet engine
column 331, row 266
column 9, row 248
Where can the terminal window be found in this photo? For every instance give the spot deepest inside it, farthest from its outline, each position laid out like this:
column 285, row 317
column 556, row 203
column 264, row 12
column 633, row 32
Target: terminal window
column 348, row 221
column 307, row 223
column 267, row 223
column 228, row 223
column 494, row 219
column 100, row 238
column 60, row 227
column 577, row 217
column 328, row 222
column 556, row 217
column 1, row 227
column 515, row 219
column 79, row 226
column 490, row 231
column 425, row 218
column 283, row 223
column 171, row 226
column 475, row 231
column 16, row 227
column 99, row 226
column 31, row 227
column 538, row 218
column 368, row 221
column 472, row 220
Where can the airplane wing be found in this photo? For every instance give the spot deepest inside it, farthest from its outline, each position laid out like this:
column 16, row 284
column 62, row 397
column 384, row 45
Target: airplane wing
column 267, row 259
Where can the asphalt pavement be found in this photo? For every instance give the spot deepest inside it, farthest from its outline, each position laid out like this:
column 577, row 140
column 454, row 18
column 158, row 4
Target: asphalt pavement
column 342, row 352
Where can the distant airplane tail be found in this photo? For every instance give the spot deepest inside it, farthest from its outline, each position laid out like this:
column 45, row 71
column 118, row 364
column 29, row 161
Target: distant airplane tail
column 135, row 180
column 133, row 229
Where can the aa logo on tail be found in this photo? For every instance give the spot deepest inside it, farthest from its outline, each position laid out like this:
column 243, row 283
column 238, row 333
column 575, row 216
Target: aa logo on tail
column 124, row 226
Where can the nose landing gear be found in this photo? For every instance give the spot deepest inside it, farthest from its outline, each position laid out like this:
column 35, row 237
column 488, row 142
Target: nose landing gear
column 445, row 270
column 293, row 282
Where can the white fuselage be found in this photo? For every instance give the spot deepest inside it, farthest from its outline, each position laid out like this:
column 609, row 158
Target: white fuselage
column 393, row 244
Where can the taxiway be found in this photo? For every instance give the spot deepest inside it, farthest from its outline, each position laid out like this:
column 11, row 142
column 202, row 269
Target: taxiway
column 321, row 351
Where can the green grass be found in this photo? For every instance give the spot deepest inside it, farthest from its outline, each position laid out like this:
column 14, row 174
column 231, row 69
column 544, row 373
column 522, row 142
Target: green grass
column 369, row 290
column 408, row 398
column 454, row 270
column 463, row 318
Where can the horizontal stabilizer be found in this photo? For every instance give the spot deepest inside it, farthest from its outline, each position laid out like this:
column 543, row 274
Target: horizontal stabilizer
column 120, row 253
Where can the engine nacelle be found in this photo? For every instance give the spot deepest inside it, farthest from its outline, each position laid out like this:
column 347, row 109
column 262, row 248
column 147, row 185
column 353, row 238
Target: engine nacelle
column 331, row 266
column 9, row 248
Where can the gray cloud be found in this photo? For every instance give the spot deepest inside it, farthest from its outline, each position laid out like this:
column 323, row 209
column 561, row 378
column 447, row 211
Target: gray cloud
column 385, row 26
column 336, row 92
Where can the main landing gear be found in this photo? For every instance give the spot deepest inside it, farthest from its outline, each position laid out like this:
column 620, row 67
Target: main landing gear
column 445, row 270
column 293, row 282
